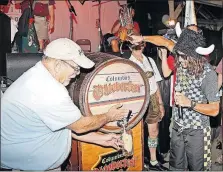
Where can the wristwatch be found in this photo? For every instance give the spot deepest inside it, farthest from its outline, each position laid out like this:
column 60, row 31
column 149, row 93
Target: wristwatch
column 192, row 105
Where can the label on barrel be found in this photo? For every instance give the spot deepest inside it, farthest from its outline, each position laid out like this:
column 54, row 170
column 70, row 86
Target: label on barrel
column 117, row 83
column 114, row 161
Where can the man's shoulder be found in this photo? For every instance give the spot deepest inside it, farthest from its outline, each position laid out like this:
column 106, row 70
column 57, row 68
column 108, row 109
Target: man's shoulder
column 208, row 68
column 38, row 83
column 209, row 74
column 21, row 82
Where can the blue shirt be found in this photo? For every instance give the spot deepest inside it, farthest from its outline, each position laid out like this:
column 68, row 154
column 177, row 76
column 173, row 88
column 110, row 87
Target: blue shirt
column 35, row 111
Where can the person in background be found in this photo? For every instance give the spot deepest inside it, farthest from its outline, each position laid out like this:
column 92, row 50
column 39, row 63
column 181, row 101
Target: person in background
column 168, row 68
column 166, row 92
column 44, row 18
column 219, row 160
column 116, row 28
column 38, row 117
column 156, row 110
column 216, row 122
column 219, row 71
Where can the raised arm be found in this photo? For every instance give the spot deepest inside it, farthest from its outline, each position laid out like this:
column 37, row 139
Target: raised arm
column 157, row 40
column 162, row 52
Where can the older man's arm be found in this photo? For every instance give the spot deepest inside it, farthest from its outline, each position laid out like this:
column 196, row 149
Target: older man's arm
column 90, row 123
column 107, row 140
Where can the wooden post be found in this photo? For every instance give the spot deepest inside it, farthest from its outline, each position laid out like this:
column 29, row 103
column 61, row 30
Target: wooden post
column 178, row 10
column 74, row 159
column 171, row 8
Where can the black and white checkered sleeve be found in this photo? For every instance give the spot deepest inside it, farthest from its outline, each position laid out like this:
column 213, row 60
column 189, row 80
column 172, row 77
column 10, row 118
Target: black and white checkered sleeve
column 210, row 87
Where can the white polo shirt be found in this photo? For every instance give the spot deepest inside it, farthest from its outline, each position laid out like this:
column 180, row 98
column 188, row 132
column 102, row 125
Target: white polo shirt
column 145, row 65
column 35, row 111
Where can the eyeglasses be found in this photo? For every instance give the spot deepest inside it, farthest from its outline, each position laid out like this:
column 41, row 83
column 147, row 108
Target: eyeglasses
column 76, row 68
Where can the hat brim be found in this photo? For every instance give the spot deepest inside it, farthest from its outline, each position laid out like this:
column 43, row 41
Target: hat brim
column 84, row 62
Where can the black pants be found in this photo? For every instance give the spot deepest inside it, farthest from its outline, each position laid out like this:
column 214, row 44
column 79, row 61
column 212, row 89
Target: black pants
column 164, row 133
column 190, row 149
column 4, row 169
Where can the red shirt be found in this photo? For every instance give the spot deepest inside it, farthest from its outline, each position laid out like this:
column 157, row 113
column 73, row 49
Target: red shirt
column 219, row 67
column 25, row 4
column 171, row 64
column 136, row 26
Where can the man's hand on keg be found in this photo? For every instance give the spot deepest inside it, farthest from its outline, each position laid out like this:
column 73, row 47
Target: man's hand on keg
column 116, row 113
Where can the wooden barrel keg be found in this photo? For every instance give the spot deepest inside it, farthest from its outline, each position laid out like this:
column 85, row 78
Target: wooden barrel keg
column 113, row 80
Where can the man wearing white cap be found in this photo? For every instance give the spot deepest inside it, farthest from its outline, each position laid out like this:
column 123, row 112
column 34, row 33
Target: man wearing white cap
column 37, row 114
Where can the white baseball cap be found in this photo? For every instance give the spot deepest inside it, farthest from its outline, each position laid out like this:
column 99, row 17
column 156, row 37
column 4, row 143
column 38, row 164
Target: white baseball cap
column 66, row 49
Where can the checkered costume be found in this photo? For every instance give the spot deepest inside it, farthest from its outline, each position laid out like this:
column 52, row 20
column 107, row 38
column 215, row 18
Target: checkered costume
column 191, row 87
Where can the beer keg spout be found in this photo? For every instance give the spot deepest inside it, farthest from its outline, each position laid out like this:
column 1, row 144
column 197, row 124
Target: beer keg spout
column 129, row 115
column 124, row 122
